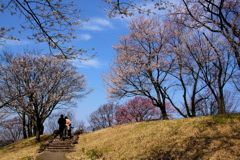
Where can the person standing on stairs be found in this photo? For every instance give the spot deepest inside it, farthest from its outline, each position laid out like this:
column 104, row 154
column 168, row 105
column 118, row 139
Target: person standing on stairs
column 62, row 123
column 68, row 127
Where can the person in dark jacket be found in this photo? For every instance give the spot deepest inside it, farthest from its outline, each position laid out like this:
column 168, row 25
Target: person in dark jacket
column 61, row 122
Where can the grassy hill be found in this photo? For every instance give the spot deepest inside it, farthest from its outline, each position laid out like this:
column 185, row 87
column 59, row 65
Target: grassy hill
column 211, row 137
column 22, row 150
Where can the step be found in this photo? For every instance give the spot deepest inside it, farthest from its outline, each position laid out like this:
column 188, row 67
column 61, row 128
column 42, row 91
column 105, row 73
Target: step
column 53, row 145
column 60, row 143
column 60, row 147
column 60, row 150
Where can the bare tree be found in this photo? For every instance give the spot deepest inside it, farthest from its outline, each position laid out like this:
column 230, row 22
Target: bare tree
column 217, row 66
column 220, row 16
column 46, row 83
column 52, row 21
column 129, row 7
column 4, row 114
column 210, row 106
column 208, row 56
column 207, row 107
column 103, row 117
column 232, row 102
column 186, row 71
column 81, row 125
column 11, row 130
column 236, row 81
column 51, row 123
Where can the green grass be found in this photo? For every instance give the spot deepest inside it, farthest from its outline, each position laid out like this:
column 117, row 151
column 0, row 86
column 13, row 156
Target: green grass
column 210, row 138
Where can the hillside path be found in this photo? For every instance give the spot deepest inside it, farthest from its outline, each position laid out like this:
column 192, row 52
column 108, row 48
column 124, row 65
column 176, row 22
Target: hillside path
column 56, row 148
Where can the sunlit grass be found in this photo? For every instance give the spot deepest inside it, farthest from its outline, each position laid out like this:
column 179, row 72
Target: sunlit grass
column 23, row 150
column 200, row 138
column 215, row 137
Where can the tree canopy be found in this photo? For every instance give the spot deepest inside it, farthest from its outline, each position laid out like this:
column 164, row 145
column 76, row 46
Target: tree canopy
column 37, row 85
column 168, row 62
column 51, row 21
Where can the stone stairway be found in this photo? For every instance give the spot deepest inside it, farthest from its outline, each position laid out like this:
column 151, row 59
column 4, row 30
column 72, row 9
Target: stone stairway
column 57, row 145
column 61, row 146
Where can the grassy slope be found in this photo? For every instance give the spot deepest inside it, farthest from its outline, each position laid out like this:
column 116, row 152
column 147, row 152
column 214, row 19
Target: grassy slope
column 22, row 150
column 212, row 138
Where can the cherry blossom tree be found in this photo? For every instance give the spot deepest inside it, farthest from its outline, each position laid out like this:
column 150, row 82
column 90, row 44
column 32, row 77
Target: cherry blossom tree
column 137, row 109
column 41, row 85
column 219, row 16
column 141, row 67
column 52, row 21
column 203, row 44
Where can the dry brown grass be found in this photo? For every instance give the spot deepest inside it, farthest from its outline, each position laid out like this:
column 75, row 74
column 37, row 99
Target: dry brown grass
column 212, row 138
column 201, row 138
column 23, row 150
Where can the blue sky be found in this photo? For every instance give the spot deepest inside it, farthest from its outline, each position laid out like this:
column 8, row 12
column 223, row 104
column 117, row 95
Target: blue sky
column 100, row 33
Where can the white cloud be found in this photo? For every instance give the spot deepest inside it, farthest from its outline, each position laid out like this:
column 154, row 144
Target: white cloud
column 97, row 24
column 16, row 42
column 92, row 63
column 92, row 27
column 9, row 43
column 102, row 22
column 85, row 37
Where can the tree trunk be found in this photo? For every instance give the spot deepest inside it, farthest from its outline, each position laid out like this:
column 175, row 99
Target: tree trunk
column 37, row 129
column 220, row 100
column 165, row 117
column 30, row 128
column 164, row 112
column 221, row 105
column 24, row 126
column 37, row 134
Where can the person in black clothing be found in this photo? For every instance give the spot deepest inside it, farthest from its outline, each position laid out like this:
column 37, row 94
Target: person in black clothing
column 61, row 122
